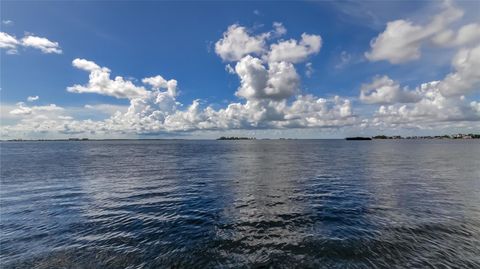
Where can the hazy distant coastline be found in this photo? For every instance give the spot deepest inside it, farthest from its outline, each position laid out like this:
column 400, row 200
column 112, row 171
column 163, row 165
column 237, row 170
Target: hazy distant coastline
column 377, row 137
column 454, row 136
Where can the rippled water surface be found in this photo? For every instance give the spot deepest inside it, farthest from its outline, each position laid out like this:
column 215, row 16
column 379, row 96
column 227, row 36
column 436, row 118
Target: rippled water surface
column 270, row 203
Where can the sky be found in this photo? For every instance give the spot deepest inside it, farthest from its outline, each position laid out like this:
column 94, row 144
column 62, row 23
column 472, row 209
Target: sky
column 313, row 69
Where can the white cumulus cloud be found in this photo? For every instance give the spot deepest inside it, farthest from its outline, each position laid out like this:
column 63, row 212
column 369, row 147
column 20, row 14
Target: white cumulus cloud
column 85, row 65
column 11, row 43
column 237, row 42
column 159, row 82
column 32, row 98
column 22, row 109
column 402, row 39
column 383, row 90
column 280, row 81
column 279, row 29
column 100, row 82
column 432, row 109
column 466, row 77
column 294, row 51
column 41, row 43
column 466, row 35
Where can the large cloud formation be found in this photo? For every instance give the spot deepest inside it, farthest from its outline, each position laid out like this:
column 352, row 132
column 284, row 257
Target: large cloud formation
column 101, row 83
column 402, row 39
column 434, row 103
column 270, row 89
column 466, row 76
column 269, row 92
column 431, row 110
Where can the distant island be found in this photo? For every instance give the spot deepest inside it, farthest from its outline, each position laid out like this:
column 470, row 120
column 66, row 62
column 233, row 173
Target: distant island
column 358, row 138
column 455, row 136
column 236, row 138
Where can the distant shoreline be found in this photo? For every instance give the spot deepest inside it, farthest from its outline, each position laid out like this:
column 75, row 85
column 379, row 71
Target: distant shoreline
column 378, row 137
column 384, row 137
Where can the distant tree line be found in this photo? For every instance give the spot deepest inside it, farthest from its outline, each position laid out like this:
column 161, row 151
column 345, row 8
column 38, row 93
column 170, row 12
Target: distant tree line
column 455, row 136
column 236, row 138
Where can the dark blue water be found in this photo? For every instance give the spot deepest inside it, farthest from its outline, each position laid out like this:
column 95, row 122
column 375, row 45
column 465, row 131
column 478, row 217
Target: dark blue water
column 216, row 204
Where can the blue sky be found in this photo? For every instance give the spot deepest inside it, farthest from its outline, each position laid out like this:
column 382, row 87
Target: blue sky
column 177, row 40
